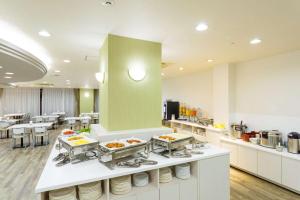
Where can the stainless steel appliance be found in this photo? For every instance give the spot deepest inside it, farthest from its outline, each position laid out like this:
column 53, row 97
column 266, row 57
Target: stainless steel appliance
column 293, row 142
column 110, row 157
column 270, row 139
column 171, row 108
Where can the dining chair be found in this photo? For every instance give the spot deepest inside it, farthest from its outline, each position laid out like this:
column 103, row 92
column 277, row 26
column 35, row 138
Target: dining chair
column 20, row 133
column 40, row 132
column 71, row 124
column 95, row 117
column 85, row 123
column 4, row 129
column 38, row 120
column 54, row 121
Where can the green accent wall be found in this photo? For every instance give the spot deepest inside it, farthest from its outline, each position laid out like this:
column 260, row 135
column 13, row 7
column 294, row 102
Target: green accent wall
column 86, row 101
column 124, row 103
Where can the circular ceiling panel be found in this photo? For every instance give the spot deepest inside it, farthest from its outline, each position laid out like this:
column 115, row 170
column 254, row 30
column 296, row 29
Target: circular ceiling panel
column 17, row 65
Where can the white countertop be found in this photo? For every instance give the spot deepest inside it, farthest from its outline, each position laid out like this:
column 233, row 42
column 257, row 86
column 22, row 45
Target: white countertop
column 285, row 153
column 54, row 177
column 198, row 125
column 48, row 124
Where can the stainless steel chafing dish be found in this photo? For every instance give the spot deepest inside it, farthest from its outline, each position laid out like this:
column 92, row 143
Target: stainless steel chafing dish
column 111, row 156
column 77, row 151
column 165, row 147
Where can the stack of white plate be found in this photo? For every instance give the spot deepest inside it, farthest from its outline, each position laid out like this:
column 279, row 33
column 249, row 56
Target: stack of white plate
column 165, row 175
column 183, row 171
column 63, row 194
column 90, row 191
column 140, row 179
column 121, row 185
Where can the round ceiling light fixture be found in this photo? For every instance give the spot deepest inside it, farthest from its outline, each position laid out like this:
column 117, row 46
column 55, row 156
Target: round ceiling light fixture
column 255, row 41
column 44, row 33
column 202, row 27
column 137, row 72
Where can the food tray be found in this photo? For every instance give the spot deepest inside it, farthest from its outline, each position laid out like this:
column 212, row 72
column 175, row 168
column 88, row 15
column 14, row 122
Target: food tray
column 178, row 137
column 123, row 141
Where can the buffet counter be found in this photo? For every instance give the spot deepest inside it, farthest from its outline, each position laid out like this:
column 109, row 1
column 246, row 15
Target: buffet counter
column 281, row 168
column 209, row 173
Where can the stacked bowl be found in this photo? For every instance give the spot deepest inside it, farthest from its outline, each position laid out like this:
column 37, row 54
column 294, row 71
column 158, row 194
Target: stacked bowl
column 183, row 171
column 63, row 194
column 121, row 185
column 140, row 179
column 165, row 175
column 90, row 191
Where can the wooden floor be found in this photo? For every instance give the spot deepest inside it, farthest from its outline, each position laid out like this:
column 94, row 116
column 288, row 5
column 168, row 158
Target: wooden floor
column 21, row 168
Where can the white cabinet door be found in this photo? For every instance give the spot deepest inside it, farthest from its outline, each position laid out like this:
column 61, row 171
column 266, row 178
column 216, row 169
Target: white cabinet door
column 269, row 166
column 189, row 189
column 169, row 191
column 148, row 195
column 290, row 173
column 233, row 148
column 213, row 137
column 213, row 178
column 247, row 159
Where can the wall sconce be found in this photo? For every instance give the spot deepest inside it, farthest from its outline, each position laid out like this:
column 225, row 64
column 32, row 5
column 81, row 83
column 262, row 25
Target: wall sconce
column 100, row 77
column 87, row 94
column 137, row 72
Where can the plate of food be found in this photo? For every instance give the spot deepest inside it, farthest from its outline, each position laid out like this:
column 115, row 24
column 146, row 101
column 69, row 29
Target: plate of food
column 172, row 137
column 113, row 145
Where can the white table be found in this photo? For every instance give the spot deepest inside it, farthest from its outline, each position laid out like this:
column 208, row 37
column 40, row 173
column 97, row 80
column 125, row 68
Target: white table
column 15, row 115
column 30, row 127
column 45, row 117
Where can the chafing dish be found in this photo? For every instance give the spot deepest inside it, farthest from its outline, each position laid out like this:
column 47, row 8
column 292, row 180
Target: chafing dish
column 78, row 151
column 170, row 148
column 111, row 156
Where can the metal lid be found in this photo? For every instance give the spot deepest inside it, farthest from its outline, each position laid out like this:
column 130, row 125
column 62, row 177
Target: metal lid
column 294, row 135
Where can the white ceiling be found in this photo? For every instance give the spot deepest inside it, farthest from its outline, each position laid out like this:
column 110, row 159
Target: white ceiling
column 78, row 28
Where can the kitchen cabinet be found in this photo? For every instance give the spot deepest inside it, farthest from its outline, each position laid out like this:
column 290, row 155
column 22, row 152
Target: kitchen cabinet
column 188, row 189
column 233, row 148
column 169, row 191
column 247, row 159
column 213, row 176
column 290, row 173
column 269, row 166
column 148, row 195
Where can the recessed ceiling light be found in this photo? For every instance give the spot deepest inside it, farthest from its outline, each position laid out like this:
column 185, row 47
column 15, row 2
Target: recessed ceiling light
column 67, row 80
column 67, row 61
column 45, row 82
column 57, row 71
column 181, row 68
column 202, row 27
column 210, row 60
column 255, row 41
column 108, row 3
column 1, row 67
column 162, row 74
column 9, row 73
column 13, row 84
column 7, row 77
column 44, row 33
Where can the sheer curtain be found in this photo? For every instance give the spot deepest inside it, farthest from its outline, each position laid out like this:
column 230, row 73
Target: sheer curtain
column 20, row 100
column 59, row 99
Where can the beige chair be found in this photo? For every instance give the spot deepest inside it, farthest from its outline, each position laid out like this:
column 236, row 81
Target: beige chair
column 71, row 124
column 40, row 132
column 54, row 121
column 38, row 120
column 4, row 129
column 20, row 133
column 85, row 123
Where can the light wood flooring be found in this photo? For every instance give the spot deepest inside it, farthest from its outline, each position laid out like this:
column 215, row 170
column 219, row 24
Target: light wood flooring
column 21, row 168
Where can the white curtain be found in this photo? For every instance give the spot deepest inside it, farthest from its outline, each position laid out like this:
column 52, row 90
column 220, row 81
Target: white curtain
column 54, row 100
column 20, row 100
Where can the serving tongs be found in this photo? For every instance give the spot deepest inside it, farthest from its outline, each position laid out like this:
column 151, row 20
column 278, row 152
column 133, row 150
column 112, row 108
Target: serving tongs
column 137, row 162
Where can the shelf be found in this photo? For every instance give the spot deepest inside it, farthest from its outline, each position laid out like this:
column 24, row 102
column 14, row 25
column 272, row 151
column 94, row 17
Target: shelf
column 135, row 190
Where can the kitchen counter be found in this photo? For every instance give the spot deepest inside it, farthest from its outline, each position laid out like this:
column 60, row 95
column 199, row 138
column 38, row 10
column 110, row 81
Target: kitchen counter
column 284, row 153
column 54, row 177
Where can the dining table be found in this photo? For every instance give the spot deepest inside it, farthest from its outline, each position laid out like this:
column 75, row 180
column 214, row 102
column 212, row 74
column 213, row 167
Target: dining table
column 30, row 127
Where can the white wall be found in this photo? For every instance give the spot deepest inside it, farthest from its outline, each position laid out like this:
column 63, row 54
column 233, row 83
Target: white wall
column 268, row 92
column 194, row 90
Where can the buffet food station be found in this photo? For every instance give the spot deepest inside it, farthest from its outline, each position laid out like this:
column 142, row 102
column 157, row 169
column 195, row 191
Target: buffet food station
column 127, row 168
